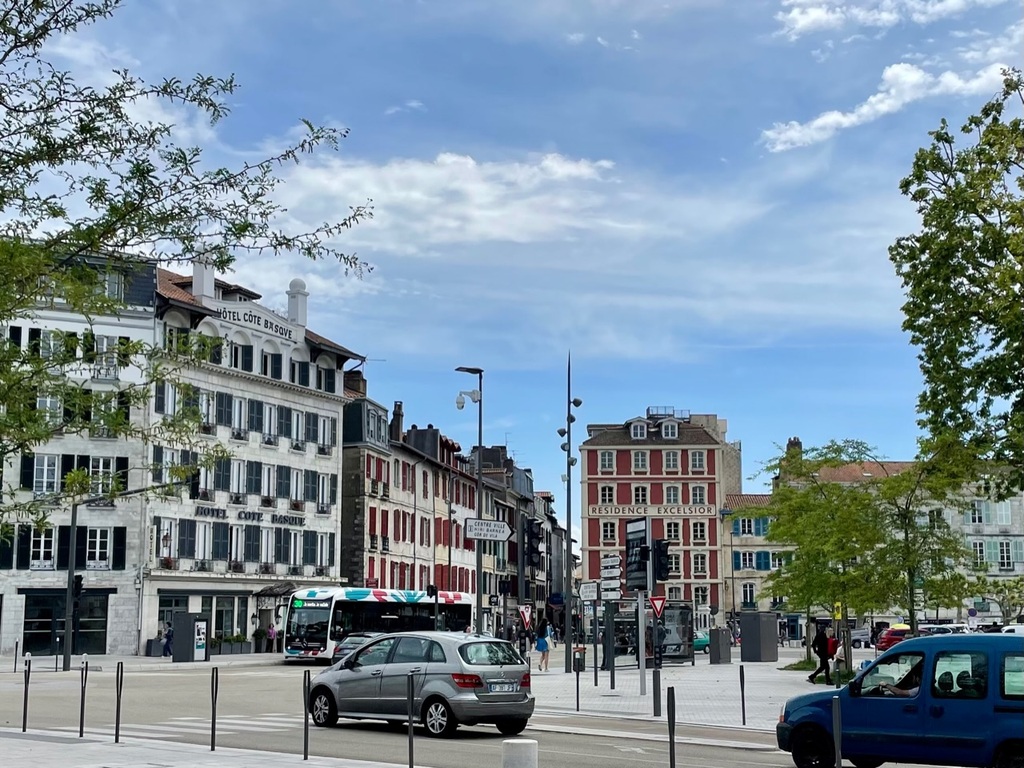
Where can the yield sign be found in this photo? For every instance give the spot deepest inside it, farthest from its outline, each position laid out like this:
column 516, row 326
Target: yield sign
column 526, row 611
column 657, row 605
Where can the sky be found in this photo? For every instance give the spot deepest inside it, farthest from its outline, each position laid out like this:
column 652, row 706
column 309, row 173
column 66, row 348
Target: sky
column 694, row 197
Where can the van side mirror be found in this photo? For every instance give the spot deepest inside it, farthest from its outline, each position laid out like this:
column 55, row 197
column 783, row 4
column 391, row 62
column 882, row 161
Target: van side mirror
column 855, row 687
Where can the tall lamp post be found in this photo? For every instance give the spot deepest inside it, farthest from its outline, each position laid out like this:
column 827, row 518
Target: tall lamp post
column 726, row 512
column 477, row 396
column 570, row 461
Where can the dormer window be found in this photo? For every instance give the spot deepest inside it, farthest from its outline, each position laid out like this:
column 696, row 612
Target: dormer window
column 639, row 431
column 670, row 430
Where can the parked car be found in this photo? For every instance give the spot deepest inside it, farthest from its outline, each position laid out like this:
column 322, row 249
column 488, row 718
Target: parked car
column 860, row 638
column 353, row 641
column 701, row 642
column 458, row 679
column 891, row 636
column 953, row 699
column 1013, row 629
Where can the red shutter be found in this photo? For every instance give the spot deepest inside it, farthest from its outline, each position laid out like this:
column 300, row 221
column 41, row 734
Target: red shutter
column 369, row 464
column 623, row 493
column 657, row 493
column 592, row 493
column 383, row 522
column 372, row 521
column 383, row 578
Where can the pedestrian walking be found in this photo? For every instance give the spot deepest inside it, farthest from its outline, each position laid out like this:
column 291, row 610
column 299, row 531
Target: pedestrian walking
column 544, row 637
column 820, row 646
column 169, row 640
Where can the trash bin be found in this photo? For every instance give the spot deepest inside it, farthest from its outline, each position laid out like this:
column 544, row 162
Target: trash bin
column 719, row 645
column 579, row 652
column 760, row 633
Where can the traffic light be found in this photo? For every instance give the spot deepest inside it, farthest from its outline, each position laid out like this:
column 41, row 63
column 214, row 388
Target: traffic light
column 76, row 590
column 661, row 570
column 534, row 537
column 431, row 590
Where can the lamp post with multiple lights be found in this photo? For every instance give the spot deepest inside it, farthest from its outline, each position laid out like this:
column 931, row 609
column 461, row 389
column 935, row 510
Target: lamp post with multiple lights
column 477, row 396
column 570, row 461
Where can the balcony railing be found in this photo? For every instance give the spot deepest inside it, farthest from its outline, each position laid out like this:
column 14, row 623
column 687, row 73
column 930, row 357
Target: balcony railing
column 268, row 568
column 201, row 565
column 374, row 487
column 239, row 434
column 105, row 372
column 299, row 445
column 295, row 570
column 324, row 450
column 205, row 494
column 268, row 501
column 269, row 439
column 385, row 544
column 296, row 505
column 373, row 541
column 385, row 490
column 323, row 509
column 237, row 566
column 323, row 570
column 169, row 563
column 236, row 498
column 207, row 428
column 747, row 605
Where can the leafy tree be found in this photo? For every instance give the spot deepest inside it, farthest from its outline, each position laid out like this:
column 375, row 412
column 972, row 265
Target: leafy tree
column 1008, row 594
column 963, row 274
column 93, row 193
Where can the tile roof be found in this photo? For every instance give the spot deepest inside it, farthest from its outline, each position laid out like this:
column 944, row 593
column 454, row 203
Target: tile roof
column 224, row 285
column 860, row 472
column 323, row 341
column 167, row 286
column 747, row 500
column 620, row 436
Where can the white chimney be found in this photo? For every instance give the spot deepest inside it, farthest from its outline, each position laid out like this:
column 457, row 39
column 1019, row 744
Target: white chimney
column 297, row 295
column 203, row 277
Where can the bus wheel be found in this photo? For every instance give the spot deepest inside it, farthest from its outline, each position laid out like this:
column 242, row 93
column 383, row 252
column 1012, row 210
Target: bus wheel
column 322, row 708
column 438, row 718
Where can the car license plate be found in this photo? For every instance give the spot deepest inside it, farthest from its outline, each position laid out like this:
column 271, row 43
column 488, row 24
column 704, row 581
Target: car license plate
column 503, row 687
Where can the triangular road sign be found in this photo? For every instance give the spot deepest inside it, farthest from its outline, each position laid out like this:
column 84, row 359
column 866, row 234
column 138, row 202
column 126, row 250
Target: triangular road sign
column 526, row 611
column 657, row 605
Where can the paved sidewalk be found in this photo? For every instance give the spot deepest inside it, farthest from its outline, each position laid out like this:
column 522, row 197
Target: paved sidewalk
column 46, row 749
column 138, row 663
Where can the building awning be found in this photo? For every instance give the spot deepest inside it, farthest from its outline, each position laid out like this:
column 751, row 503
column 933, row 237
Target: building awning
column 281, row 589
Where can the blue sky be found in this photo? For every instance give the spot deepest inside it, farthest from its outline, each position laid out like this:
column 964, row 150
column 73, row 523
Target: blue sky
column 694, row 196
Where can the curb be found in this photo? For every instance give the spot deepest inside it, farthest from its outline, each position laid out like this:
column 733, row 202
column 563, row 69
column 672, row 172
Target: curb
column 692, row 740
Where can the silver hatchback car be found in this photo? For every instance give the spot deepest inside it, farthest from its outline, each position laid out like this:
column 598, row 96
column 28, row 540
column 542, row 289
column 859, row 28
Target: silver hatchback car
column 457, row 679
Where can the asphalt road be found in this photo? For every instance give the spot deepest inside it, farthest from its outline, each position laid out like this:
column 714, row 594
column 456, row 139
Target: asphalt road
column 261, row 708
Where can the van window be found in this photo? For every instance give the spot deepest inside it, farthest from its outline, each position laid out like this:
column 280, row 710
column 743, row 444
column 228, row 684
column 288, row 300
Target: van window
column 1013, row 676
column 903, row 671
column 960, row 675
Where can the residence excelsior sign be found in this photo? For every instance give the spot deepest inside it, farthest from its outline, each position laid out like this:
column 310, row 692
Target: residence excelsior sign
column 257, row 321
column 693, row 510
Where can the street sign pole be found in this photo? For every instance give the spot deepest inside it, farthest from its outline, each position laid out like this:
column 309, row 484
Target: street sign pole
column 641, row 645
column 596, row 624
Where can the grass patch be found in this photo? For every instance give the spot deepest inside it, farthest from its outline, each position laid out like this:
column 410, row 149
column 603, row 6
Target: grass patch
column 804, row 665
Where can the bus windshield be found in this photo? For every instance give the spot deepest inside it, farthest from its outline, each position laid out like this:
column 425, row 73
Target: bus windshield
column 307, row 625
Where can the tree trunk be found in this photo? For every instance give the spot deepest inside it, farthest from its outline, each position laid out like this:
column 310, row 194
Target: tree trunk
column 911, row 600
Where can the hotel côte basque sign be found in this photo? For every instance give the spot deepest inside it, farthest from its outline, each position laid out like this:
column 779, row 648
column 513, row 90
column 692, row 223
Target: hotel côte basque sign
column 257, row 321
column 691, row 510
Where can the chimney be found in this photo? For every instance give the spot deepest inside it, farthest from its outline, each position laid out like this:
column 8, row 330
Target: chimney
column 794, row 445
column 355, row 381
column 397, row 415
column 204, row 278
column 297, row 295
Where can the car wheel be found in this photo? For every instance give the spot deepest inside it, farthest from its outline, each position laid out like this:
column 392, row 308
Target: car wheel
column 438, row 719
column 322, row 708
column 812, row 748
column 511, row 727
column 707, row 649
column 1010, row 756
column 855, row 643
column 866, row 762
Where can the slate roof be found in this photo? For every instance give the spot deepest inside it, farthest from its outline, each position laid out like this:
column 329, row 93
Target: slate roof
column 620, row 436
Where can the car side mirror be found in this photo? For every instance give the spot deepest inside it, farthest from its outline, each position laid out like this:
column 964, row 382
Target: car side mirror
column 349, row 663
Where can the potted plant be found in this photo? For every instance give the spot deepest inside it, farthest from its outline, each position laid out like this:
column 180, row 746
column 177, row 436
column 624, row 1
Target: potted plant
column 259, row 639
column 245, row 645
column 214, row 646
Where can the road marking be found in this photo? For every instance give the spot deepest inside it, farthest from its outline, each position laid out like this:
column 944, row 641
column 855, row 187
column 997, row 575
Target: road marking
column 631, row 749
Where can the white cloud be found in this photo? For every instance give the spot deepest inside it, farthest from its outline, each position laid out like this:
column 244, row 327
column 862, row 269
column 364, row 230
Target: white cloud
column 991, row 48
column 602, row 42
column 575, row 38
column 412, row 105
column 902, row 84
column 803, row 17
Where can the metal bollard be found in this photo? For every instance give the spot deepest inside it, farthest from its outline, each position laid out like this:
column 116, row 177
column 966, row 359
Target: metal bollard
column 837, row 731
column 119, row 689
column 305, row 714
column 656, row 685
column 743, row 695
column 576, row 663
column 214, row 690
column 17, row 643
column 671, row 726
column 519, row 753
column 24, row 707
column 81, row 709
column 410, row 711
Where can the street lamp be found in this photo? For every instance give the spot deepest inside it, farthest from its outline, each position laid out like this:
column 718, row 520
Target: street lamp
column 477, row 396
column 570, row 461
column 726, row 512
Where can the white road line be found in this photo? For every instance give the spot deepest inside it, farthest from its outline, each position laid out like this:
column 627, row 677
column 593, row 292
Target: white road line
column 153, row 729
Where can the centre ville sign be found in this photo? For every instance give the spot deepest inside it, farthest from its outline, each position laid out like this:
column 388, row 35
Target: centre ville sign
column 693, row 510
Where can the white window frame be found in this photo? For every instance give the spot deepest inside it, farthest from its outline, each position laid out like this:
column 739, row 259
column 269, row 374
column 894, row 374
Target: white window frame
column 778, row 560
column 700, row 563
column 1003, row 516
column 675, row 593
column 674, row 565
column 640, row 462
column 746, row 526
column 638, row 431
column 97, row 549
column 977, row 513
column 298, row 427
column 747, row 561
column 47, row 343
column 238, row 413
column 101, row 470
column 697, row 461
column 45, row 469
column 323, row 489
column 1005, row 554
column 269, row 419
column 701, row 595
column 698, row 494
column 670, row 431
column 641, row 495
column 606, row 526
column 51, row 406
column 298, row 486
column 323, row 548
column 748, row 592
column 267, row 545
column 236, row 543
column 698, row 531
column 42, row 548
column 978, row 547
column 204, row 540
column 237, row 481
column 673, row 530
column 672, row 495
column 207, row 407
column 323, row 435
column 111, row 285
column 606, row 494
column 295, row 550
column 671, row 461
column 609, row 465
column 268, row 480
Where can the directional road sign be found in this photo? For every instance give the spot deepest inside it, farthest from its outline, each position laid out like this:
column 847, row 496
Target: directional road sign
column 610, row 560
column 611, row 573
column 615, row 594
column 487, row 530
column 526, row 611
column 657, row 605
column 588, row 591
column 609, row 584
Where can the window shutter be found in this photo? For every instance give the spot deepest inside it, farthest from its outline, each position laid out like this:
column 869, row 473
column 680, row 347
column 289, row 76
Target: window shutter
column 1018, row 550
column 735, row 527
column 221, row 539
column 334, row 490
column 34, row 336
column 311, row 427
column 191, row 460
column 251, row 552
column 303, row 374
column 284, row 421
column 987, row 511
column 736, row 561
column 156, row 535
column 991, row 551
column 247, row 358
column 160, row 397
column 217, row 351
column 119, row 550
column 222, row 474
column 183, row 539
column 158, row 464
column 283, row 482
column 309, row 547
column 89, row 347
column 63, row 548
column 25, row 547
column 81, row 547
column 124, row 359
column 255, row 416
column 330, row 380
column 6, row 554
column 121, row 471
column 763, row 561
column 28, row 471
column 14, row 335
column 67, row 465
column 330, row 550
column 309, row 478
column 279, row 556
column 224, row 405
column 253, row 472
column 276, row 366
column 334, row 431
column 71, row 345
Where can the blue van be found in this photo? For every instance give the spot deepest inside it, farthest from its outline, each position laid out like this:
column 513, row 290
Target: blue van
column 942, row 700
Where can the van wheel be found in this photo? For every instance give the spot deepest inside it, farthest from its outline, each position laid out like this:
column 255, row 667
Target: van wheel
column 812, row 748
column 1011, row 756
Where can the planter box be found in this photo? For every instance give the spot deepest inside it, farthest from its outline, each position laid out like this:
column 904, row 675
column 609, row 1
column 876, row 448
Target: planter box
column 246, row 648
column 215, row 650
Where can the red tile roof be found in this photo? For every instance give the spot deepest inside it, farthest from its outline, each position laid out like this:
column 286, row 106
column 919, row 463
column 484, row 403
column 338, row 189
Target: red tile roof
column 166, row 286
column 224, row 285
column 747, row 500
column 861, row 472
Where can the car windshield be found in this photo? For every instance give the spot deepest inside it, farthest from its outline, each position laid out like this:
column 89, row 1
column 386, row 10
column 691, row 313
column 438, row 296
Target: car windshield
column 490, row 654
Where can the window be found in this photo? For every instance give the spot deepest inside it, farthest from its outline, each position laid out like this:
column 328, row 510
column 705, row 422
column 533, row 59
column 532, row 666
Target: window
column 111, row 285
column 639, row 495
column 639, row 431
column 45, row 481
column 101, row 469
column 978, row 548
column 673, row 564
column 699, row 531
column 50, row 407
column 698, row 494
column 977, row 514
column 237, row 476
column 1003, row 513
column 747, row 527
column 297, row 487
column 778, row 560
column 746, row 560
column 269, row 420
column 672, row 530
column 670, row 430
column 639, row 461
column 607, row 494
column 607, row 461
column 696, row 461
column 175, row 339
column 904, row 671
column 238, row 413
column 1012, row 686
column 97, row 553
column 47, row 343
column 960, row 675
column 297, row 424
column 671, row 461
column 608, row 530
column 700, row 595
column 323, row 492
column 675, row 593
column 1005, row 557
column 747, row 591
column 671, row 494
column 700, row 564
column 41, row 551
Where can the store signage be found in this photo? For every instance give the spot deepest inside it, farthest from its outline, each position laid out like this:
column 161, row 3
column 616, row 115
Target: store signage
column 297, row 603
column 693, row 510
column 216, row 512
column 258, row 321
column 250, row 516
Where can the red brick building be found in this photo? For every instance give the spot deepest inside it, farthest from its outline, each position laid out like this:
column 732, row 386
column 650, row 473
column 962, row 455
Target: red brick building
column 674, row 468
